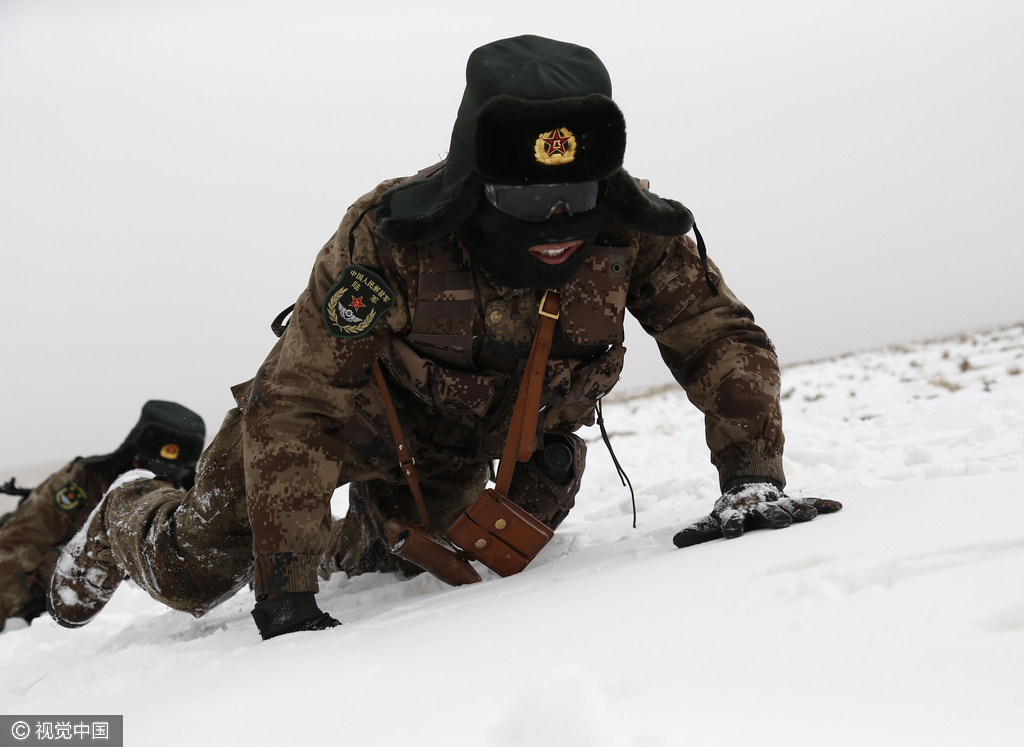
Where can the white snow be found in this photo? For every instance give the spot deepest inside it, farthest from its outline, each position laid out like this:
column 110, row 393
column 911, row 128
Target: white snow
column 898, row 621
column 129, row 476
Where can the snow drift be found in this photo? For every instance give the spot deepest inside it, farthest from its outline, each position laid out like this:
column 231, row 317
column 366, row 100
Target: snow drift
column 899, row 620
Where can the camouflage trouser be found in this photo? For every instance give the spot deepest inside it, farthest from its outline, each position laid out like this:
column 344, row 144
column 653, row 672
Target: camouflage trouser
column 193, row 550
column 27, row 598
column 358, row 545
column 34, row 535
column 189, row 550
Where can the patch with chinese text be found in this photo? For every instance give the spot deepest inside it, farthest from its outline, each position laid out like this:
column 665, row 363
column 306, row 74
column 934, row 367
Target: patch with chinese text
column 356, row 302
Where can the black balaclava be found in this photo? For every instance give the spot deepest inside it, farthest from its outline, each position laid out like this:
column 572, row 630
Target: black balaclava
column 500, row 243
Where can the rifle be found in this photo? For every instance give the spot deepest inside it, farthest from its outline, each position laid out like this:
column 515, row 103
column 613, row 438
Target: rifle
column 11, row 489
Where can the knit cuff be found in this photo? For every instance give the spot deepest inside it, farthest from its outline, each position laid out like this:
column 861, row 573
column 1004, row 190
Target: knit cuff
column 750, row 459
column 285, row 573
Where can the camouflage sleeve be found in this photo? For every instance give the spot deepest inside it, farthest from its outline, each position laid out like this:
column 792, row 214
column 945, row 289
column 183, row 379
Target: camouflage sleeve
column 724, row 362
column 301, row 395
column 50, row 515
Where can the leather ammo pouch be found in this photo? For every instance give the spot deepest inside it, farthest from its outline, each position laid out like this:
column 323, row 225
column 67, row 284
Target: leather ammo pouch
column 499, row 533
column 417, row 543
column 425, row 548
column 493, row 530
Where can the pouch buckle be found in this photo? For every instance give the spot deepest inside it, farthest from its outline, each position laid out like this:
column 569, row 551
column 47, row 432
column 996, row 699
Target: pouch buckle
column 544, row 301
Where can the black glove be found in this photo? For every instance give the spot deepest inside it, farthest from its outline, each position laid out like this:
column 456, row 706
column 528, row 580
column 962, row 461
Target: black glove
column 752, row 503
column 290, row 613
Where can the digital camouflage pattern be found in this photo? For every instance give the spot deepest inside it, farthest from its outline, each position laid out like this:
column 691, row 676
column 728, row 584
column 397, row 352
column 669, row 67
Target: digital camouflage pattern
column 188, row 549
column 167, row 437
column 317, row 401
column 31, row 540
column 358, row 544
column 192, row 549
column 453, row 348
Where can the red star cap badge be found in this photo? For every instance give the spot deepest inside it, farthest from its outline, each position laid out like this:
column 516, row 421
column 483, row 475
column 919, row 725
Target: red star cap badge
column 556, row 143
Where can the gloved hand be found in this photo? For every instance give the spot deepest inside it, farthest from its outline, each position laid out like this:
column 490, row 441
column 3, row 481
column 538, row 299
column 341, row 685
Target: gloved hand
column 290, row 613
column 752, row 503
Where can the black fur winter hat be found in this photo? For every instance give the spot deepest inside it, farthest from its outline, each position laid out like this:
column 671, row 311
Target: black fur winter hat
column 166, row 431
column 535, row 111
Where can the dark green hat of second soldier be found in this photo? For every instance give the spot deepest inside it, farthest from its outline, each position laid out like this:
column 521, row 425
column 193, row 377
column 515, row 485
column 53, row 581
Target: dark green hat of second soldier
column 535, row 111
column 167, row 431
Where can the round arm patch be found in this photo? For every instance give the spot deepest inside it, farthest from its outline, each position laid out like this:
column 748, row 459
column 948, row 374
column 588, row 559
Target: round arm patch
column 354, row 305
column 70, row 497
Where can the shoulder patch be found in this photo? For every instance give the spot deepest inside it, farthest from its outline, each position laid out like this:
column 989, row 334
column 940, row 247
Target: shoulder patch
column 354, row 305
column 70, row 497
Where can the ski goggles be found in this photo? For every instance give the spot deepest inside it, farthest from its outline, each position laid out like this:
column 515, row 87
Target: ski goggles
column 538, row 202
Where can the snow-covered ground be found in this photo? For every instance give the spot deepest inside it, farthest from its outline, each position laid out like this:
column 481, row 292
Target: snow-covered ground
column 898, row 621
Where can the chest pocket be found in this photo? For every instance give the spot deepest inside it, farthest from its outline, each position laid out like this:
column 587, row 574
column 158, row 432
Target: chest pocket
column 594, row 301
column 445, row 306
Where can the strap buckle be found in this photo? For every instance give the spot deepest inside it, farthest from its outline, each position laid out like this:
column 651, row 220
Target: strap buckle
column 543, row 303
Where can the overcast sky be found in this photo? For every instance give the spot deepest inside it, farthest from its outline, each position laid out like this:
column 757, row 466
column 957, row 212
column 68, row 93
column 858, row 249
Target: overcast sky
column 168, row 170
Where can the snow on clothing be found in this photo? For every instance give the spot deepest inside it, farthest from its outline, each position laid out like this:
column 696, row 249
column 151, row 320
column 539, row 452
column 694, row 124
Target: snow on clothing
column 312, row 419
column 31, row 540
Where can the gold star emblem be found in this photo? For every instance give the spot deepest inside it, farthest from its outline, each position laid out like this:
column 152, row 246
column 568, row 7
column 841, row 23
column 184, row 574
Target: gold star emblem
column 555, row 147
column 555, row 143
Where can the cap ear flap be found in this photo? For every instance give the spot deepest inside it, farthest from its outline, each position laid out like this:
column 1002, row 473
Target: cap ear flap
column 422, row 210
column 644, row 211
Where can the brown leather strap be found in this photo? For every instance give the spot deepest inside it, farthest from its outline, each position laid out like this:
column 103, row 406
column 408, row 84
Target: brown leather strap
column 279, row 325
column 549, row 311
column 521, row 432
column 405, row 458
column 519, row 443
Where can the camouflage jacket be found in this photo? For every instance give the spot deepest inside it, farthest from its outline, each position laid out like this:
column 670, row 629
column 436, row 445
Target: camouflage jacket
column 47, row 518
column 452, row 351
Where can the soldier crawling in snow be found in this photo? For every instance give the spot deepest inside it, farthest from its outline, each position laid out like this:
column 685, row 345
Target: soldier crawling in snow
column 423, row 316
column 168, row 438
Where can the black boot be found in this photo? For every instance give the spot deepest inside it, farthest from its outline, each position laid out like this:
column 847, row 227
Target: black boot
column 289, row 613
